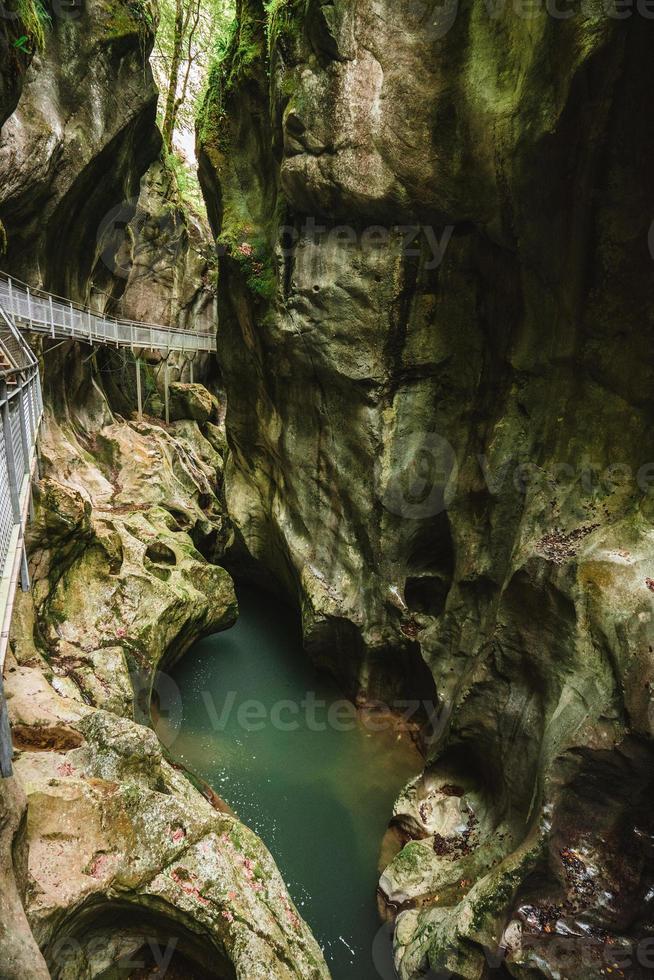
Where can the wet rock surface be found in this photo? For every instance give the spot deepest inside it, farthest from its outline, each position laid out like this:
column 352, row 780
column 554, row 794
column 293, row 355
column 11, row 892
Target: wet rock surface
column 109, row 855
column 424, row 438
column 115, row 834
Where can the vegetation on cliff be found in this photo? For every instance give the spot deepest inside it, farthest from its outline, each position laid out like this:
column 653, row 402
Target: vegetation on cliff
column 364, row 369
column 188, row 35
column 413, row 442
column 31, row 20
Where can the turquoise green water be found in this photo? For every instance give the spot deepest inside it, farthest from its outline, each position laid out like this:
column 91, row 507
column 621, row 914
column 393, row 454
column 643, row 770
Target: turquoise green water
column 319, row 794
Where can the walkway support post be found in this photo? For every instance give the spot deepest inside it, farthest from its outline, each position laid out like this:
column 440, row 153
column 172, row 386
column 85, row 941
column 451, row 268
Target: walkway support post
column 191, row 361
column 166, row 392
column 139, row 393
column 24, row 567
column 23, row 409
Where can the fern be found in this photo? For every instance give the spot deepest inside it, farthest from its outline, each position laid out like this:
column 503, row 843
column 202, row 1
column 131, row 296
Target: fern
column 36, row 20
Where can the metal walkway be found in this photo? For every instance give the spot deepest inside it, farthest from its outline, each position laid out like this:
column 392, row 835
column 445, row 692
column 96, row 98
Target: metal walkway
column 21, row 408
column 40, row 312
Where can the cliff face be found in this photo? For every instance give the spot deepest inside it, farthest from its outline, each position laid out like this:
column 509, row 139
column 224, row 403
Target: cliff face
column 128, row 859
column 108, row 853
column 155, row 262
column 164, row 257
column 434, row 330
column 83, row 133
column 14, row 57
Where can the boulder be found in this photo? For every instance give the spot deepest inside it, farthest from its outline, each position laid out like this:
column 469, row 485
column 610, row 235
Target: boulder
column 191, row 401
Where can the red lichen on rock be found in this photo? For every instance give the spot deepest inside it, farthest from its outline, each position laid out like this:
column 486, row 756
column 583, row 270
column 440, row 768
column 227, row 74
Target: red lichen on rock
column 186, row 880
column 99, row 865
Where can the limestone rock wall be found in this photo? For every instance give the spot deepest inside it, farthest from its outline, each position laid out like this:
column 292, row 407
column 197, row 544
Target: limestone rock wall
column 162, row 256
column 441, row 442
column 83, row 133
column 19, row 954
column 156, row 262
column 109, row 853
column 127, row 858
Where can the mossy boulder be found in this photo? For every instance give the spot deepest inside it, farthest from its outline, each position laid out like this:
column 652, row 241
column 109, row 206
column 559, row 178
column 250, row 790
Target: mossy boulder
column 192, row 401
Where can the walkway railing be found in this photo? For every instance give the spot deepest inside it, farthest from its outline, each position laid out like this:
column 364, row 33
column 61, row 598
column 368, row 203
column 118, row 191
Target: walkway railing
column 41, row 312
column 21, row 408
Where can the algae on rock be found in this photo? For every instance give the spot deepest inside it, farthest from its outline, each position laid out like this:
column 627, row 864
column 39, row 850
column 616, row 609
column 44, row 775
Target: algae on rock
column 439, row 433
column 121, row 588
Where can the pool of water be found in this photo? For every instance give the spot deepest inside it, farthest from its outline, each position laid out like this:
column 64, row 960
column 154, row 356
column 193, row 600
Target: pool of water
column 275, row 740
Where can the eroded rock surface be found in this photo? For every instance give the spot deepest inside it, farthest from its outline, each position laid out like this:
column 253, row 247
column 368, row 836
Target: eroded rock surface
column 76, row 146
column 127, row 858
column 19, row 954
column 125, row 854
column 157, row 258
column 108, row 854
column 422, row 432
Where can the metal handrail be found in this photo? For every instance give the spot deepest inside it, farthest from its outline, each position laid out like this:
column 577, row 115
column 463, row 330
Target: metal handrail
column 21, row 409
column 80, row 308
column 25, row 349
column 115, row 331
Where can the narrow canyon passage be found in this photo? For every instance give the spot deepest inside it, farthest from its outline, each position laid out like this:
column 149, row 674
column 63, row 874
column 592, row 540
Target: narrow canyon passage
column 355, row 300
column 276, row 740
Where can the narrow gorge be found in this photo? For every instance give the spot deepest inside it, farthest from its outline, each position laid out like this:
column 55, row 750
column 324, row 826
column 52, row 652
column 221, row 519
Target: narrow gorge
column 337, row 655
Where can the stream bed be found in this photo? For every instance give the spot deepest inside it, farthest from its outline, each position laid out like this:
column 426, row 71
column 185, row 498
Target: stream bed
column 276, row 740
